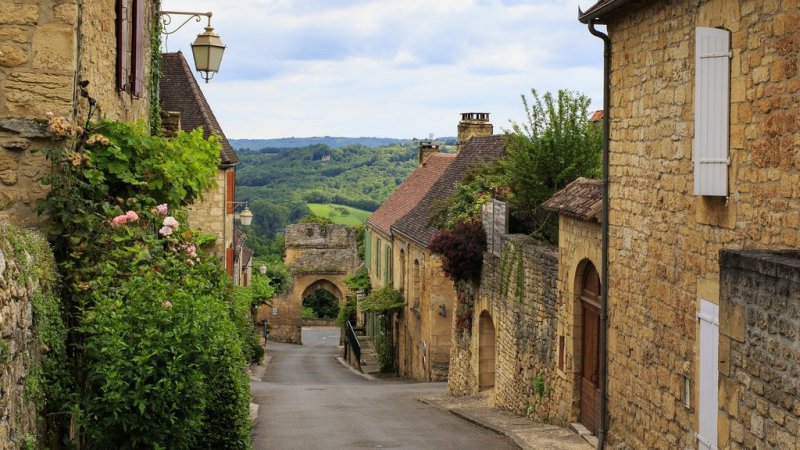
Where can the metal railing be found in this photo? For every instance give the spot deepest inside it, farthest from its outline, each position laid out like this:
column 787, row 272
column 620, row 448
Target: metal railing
column 352, row 344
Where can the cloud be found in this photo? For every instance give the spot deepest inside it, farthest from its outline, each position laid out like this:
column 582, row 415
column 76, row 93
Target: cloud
column 388, row 67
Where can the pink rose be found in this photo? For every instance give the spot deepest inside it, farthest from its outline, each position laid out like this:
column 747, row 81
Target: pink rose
column 166, row 304
column 119, row 220
column 171, row 222
column 132, row 216
column 162, row 209
column 191, row 248
column 165, row 231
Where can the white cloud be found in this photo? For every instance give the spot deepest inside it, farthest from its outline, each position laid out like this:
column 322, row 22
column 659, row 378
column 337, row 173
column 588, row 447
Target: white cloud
column 397, row 68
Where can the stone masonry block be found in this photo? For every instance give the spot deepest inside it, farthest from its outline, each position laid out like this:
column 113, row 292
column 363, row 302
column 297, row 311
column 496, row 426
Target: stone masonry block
column 731, row 320
column 66, row 13
column 33, row 94
column 54, row 47
column 19, row 14
column 13, row 34
column 12, row 56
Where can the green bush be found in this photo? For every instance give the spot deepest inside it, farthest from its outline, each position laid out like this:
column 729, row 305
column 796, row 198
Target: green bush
column 384, row 352
column 346, row 312
column 385, row 299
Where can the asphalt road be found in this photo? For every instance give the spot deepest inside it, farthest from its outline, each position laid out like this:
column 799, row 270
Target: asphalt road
column 307, row 400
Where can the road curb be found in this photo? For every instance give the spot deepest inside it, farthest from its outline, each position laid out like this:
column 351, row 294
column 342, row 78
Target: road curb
column 366, row 376
column 488, row 426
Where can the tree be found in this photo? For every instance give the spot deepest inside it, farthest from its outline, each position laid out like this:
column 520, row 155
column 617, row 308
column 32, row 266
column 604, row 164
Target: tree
column 556, row 145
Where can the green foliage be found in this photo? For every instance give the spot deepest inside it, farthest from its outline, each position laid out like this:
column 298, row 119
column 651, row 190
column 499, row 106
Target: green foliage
column 5, row 351
column 155, row 72
column 361, row 241
column 157, row 339
column 358, row 281
column 323, row 304
column 278, row 274
column 385, row 299
column 539, row 405
column 481, row 183
column 340, row 214
column 465, row 305
column 346, row 312
column 313, row 218
column 384, row 351
column 277, row 145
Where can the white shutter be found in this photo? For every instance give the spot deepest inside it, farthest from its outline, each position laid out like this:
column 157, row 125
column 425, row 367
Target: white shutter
column 709, row 375
column 712, row 104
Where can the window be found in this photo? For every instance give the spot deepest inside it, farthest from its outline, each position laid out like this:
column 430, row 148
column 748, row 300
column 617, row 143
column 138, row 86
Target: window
column 377, row 258
column 130, row 46
column 388, row 276
column 711, row 111
column 416, row 288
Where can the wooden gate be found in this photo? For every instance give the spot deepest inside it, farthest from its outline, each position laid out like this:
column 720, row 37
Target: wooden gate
column 590, row 350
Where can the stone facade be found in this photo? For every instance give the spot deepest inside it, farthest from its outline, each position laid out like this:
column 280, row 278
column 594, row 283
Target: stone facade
column 46, row 48
column 518, row 294
column 210, row 214
column 664, row 242
column 318, row 257
column 20, row 351
column 759, row 356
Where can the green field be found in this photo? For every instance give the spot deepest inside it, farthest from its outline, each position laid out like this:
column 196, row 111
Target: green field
column 340, row 214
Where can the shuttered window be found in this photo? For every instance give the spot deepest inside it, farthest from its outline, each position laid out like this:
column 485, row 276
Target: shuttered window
column 130, row 46
column 378, row 258
column 123, row 44
column 137, row 52
column 367, row 239
column 712, row 105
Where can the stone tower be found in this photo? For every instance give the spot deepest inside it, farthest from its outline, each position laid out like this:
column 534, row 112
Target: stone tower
column 471, row 125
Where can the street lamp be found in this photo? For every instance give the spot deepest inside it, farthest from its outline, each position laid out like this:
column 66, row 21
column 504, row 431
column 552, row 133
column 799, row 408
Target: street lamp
column 207, row 48
column 246, row 216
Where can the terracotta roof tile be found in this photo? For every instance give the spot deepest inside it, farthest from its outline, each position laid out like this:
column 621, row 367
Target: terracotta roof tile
column 180, row 92
column 410, row 192
column 478, row 150
column 581, row 199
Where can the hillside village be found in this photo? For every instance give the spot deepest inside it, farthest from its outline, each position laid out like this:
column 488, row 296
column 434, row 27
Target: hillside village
column 648, row 301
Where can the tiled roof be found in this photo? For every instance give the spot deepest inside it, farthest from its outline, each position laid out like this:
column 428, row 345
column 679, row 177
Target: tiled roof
column 410, row 192
column 180, row 92
column 596, row 116
column 581, row 199
column 478, row 150
column 247, row 255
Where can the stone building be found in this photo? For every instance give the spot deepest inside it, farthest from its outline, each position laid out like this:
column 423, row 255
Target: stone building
column 399, row 234
column 46, row 48
column 703, row 158
column 184, row 107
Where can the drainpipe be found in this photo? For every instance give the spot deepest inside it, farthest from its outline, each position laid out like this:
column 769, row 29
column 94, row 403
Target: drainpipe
column 601, row 434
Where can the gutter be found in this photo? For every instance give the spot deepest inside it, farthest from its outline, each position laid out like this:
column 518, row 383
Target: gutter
column 596, row 13
column 601, row 434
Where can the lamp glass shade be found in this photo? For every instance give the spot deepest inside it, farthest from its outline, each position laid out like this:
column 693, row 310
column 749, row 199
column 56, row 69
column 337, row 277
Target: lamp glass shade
column 207, row 50
column 246, row 217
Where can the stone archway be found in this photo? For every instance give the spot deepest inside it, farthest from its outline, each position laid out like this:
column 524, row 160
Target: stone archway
column 319, row 256
column 486, row 351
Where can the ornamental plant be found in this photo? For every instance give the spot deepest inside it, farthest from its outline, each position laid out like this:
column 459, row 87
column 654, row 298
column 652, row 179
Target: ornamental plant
column 154, row 342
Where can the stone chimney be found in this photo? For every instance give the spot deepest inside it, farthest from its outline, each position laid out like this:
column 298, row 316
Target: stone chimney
column 170, row 123
column 471, row 125
column 426, row 149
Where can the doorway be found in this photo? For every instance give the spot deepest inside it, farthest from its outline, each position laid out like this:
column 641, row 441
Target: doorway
column 486, row 352
column 590, row 349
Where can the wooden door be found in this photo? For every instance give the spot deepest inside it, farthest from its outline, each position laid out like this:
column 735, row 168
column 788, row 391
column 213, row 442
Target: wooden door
column 590, row 350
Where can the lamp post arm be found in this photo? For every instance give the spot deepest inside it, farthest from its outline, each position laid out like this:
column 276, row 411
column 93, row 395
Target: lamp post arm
column 166, row 19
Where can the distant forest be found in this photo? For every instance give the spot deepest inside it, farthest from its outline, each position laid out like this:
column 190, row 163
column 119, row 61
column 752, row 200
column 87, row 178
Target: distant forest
column 278, row 184
column 245, row 145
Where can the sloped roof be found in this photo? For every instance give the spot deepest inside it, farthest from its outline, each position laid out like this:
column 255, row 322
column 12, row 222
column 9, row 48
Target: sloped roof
column 180, row 92
column 600, row 10
column 478, row 150
column 247, row 255
column 581, row 199
column 596, row 116
column 410, row 192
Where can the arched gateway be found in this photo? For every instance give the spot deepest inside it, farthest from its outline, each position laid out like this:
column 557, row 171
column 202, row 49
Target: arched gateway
column 318, row 256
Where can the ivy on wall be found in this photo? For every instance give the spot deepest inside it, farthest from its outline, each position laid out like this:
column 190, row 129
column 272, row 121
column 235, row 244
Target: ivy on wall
column 155, row 71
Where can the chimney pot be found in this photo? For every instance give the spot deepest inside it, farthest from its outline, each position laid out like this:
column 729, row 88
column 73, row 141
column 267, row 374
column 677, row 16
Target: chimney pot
column 426, row 149
column 473, row 124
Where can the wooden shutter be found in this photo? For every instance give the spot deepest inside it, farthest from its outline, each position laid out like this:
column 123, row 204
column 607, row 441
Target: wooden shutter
column 123, row 44
column 137, row 52
column 367, row 239
column 711, row 112
column 709, row 375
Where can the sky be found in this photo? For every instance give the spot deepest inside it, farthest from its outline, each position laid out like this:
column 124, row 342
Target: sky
column 387, row 68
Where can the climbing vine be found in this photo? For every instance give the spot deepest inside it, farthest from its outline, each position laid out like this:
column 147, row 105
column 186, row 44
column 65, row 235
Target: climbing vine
column 538, row 407
column 155, row 72
column 512, row 259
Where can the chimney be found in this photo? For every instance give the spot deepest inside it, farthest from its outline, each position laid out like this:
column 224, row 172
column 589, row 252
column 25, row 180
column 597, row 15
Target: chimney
column 471, row 125
column 426, row 149
column 170, row 123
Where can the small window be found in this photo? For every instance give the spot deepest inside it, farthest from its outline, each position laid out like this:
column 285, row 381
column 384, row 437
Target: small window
column 130, row 46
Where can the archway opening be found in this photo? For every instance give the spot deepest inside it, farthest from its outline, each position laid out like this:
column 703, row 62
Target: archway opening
column 486, row 352
column 320, row 304
column 590, row 348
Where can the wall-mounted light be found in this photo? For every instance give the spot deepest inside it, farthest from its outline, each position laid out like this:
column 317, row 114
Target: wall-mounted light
column 207, row 48
column 245, row 216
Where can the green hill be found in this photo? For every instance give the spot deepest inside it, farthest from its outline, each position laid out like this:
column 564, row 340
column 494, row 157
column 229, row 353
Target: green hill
column 340, row 214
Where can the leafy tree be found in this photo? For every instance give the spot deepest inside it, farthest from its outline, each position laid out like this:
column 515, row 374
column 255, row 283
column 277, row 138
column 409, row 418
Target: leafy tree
column 323, row 304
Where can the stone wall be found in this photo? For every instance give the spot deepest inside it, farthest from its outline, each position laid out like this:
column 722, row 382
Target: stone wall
column 664, row 242
column 518, row 290
column 759, row 354
column 23, row 258
column 209, row 215
column 46, row 47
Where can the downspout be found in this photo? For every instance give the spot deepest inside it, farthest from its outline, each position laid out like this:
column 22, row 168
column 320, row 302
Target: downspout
column 601, row 434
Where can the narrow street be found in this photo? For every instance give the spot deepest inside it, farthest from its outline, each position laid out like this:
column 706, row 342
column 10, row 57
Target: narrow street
column 307, row 400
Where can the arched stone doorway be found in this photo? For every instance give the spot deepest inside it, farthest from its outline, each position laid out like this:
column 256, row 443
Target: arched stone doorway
column 314, row 298
column 590, row 348
column 486, row 351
